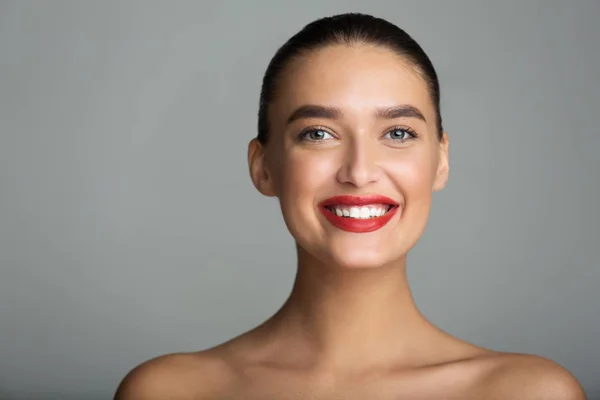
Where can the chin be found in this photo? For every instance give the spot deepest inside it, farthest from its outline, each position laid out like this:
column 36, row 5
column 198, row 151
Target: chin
column 361, row 257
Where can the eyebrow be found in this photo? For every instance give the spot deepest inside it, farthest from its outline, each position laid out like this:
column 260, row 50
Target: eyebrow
column 316, row 111
column 403, row 111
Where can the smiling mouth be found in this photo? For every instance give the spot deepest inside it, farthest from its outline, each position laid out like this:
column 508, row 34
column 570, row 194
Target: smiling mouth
column 368, row 211
column 359, row 214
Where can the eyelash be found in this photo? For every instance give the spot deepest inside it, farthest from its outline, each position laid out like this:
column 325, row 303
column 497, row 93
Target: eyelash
column 406, row 129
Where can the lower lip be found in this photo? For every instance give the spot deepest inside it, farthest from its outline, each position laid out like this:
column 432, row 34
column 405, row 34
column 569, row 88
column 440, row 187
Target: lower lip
column 357, row 225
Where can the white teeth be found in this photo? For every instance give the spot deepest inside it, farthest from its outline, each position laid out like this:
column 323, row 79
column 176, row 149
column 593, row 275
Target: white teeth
column 364, row 212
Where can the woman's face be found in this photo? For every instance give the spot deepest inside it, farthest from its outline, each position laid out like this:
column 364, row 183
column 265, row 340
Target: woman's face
column 356, row 122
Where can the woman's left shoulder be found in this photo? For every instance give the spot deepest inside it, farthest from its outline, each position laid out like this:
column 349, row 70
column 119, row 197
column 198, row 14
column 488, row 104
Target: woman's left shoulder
column 528, row 376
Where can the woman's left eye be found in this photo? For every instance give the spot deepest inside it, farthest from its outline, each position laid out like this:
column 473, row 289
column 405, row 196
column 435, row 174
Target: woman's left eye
column 399, row 134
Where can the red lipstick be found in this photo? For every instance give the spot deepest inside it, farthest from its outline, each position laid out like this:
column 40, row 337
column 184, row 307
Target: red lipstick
column 358, row 225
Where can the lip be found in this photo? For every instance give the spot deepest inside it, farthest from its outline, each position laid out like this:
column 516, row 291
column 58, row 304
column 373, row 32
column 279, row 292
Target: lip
column 356, row 225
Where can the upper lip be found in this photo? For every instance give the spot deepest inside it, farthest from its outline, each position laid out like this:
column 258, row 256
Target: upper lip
column 362, row 200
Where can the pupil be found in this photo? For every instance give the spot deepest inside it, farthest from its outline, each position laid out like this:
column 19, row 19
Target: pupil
column 399, row 134
column 318, row 135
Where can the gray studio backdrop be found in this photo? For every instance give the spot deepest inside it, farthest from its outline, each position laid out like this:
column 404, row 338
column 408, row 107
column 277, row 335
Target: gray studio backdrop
column 129, row 226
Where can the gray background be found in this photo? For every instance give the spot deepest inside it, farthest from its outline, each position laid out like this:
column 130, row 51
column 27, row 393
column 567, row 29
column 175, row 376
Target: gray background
column 129, row 226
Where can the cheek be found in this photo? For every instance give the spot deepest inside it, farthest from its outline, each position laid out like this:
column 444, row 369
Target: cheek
column 303, row 175
column 301, row 179
column 414, row 174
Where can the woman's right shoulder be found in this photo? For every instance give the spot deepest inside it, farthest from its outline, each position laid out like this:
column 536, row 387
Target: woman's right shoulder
column 198, row 375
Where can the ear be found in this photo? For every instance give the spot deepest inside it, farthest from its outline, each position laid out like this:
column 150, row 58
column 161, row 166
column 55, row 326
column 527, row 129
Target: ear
column 441, row 176
column 259, row 172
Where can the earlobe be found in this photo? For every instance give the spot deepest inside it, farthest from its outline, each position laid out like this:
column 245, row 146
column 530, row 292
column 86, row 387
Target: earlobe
column 443, row 167
column 259, row 172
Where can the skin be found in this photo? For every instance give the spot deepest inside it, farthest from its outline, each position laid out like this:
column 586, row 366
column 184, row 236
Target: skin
column 350, row 328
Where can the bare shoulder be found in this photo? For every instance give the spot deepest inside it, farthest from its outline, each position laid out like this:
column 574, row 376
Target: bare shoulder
column 182, row 376
column 526, row 376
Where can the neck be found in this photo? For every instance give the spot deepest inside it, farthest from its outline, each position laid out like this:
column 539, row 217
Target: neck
column 342, row 317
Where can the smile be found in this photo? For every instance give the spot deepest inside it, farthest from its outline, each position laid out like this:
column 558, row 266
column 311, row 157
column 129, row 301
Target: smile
column 364, row 212
column 359, row 214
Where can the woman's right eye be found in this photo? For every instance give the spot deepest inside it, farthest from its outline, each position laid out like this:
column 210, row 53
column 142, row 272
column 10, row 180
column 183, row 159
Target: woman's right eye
column 315, row 135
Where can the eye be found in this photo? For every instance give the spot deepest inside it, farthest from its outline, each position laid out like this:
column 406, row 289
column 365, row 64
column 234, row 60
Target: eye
column 315, row 135
column 400, row 134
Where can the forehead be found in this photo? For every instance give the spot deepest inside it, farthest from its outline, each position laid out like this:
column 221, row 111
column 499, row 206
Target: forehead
column 357, row 79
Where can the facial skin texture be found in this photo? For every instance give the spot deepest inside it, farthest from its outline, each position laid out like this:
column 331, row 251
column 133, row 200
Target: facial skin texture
column 357, row 155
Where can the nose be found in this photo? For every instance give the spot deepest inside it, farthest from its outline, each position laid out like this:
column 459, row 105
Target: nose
column 359, row 166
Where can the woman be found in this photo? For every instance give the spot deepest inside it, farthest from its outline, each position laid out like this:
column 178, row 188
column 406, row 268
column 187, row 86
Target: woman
column 350, row 141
